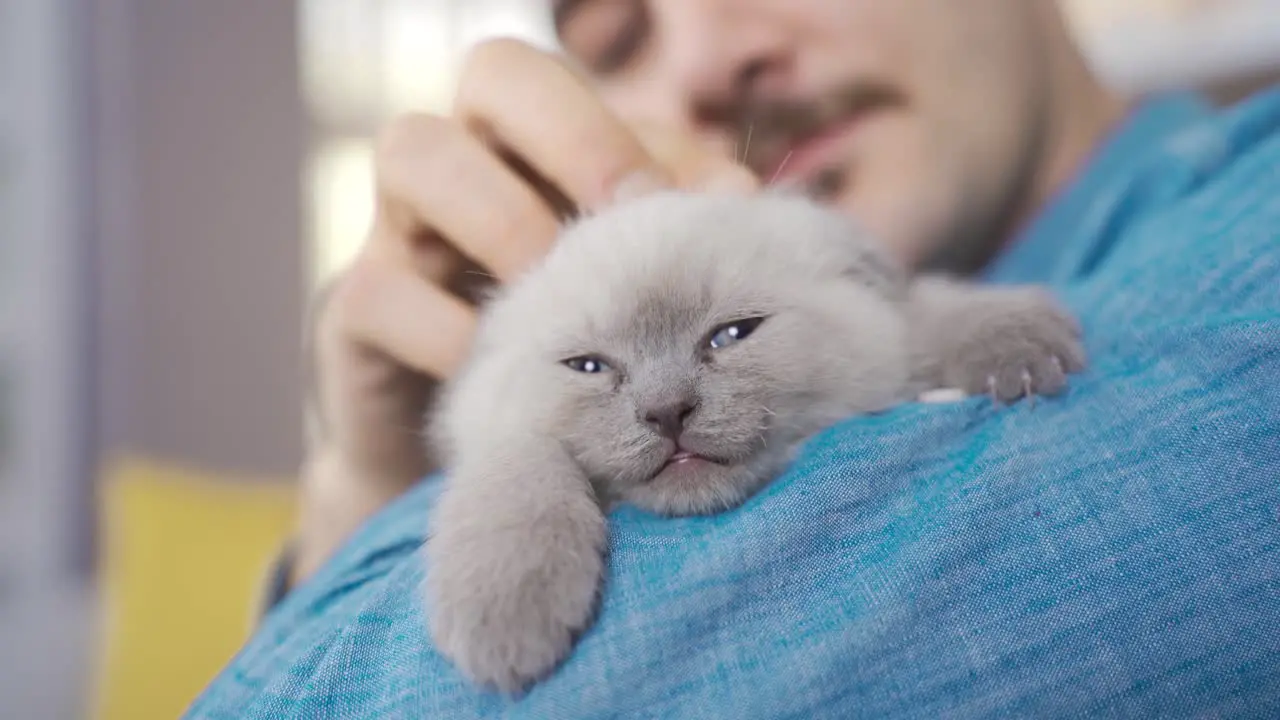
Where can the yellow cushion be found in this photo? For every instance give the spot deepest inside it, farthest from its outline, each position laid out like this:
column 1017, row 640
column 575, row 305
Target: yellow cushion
column 185, row 557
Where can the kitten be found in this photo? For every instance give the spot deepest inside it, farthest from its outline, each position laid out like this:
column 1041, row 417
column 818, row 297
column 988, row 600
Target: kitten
column 673, row 353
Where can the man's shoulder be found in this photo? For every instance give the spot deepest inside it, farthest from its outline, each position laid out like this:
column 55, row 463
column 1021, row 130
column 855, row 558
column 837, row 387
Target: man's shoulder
column 1252, row 120
column 358, row 609
column 1222, row 163
column 1199, row 241
column 1176, row 162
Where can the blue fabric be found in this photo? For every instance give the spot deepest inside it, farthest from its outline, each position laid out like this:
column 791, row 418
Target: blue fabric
column 1111, row 553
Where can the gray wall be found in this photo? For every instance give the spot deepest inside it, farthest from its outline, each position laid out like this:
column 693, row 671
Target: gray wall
column 45, row 456
column 199, row 138
column 151, row 284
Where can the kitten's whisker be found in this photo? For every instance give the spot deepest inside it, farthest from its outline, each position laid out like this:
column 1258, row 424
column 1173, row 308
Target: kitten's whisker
column 781, row 166
column 746, row 151
column 639, row 444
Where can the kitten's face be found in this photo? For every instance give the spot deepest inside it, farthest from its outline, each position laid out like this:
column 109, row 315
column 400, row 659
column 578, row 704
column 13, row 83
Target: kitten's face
column 681, row 346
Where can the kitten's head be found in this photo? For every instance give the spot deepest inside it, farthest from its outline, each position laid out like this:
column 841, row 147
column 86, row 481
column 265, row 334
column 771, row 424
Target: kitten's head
column 680, row 346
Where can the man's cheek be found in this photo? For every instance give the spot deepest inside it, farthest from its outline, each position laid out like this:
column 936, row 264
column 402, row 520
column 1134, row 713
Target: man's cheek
column 897, row 188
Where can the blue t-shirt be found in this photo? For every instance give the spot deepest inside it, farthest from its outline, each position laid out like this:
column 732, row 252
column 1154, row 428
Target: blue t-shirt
column 1114, row 552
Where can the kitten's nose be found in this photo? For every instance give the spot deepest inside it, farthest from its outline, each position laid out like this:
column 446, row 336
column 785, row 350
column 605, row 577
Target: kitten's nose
column 667, row 419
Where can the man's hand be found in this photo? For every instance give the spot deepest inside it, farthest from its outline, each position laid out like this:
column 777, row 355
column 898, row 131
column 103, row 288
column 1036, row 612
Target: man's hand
column 477, row 196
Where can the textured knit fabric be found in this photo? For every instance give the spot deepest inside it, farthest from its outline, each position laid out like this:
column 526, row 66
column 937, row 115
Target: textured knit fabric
column 1114, row 552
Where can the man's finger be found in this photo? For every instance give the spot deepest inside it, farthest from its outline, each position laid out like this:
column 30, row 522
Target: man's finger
column 533, row 105
column 433, row 175
column 694, row 165
column 387, row 307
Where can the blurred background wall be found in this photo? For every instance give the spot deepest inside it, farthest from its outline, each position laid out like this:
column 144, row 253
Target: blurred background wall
column 197, row 137
column 175, row 178
column 47, row 448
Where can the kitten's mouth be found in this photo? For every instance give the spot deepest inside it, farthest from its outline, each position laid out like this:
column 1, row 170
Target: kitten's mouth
column 689, row 482
column 682, row 457
column 684, row 461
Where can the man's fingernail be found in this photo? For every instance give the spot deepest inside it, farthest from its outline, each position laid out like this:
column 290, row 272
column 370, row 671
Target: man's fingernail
column 638, row 184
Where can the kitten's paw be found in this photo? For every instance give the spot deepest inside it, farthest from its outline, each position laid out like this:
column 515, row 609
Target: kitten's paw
column 509, row 592
column 1020, row 344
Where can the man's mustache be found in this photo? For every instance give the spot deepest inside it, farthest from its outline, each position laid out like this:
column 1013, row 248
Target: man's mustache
column 766, row 129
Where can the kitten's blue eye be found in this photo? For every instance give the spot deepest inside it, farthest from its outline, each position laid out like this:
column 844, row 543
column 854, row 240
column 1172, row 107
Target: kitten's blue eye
column 730, row 333
column 587, row 364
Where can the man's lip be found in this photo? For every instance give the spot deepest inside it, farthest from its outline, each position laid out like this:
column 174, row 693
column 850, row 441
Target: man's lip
column 808, row 155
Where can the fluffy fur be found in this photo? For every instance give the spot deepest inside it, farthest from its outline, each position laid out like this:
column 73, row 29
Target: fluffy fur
column 673, row 353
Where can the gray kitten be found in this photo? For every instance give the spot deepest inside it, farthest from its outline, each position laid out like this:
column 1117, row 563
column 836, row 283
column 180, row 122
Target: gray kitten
column 673, row 353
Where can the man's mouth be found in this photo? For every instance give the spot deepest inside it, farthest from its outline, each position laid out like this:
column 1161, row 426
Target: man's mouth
column 799, row 142
column 808, row 157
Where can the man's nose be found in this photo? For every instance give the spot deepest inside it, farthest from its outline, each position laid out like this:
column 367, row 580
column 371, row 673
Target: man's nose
column 709, row 58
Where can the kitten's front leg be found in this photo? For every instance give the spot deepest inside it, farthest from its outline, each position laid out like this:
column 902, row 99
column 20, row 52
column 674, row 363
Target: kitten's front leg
column 515, row 561
column 1008, row 342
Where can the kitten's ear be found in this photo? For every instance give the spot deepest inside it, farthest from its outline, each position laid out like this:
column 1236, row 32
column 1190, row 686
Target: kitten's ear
column 872, row 267
column 863, row 259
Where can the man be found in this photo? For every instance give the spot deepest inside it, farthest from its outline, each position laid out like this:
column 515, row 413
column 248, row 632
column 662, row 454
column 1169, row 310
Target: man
column 1111, row 552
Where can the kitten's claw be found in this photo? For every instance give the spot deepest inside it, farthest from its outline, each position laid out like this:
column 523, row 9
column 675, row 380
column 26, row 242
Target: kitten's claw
column 1021, row 345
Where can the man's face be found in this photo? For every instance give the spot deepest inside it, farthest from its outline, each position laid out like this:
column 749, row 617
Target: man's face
column 925, row 118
